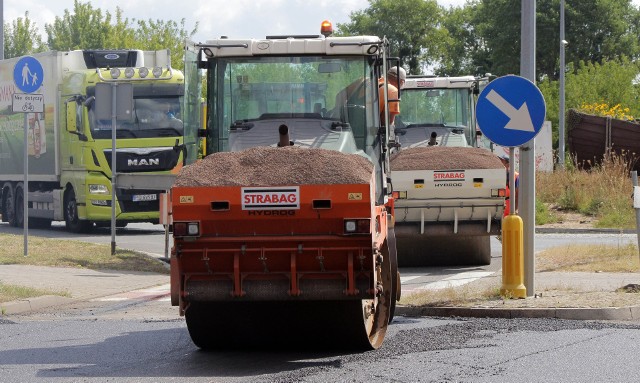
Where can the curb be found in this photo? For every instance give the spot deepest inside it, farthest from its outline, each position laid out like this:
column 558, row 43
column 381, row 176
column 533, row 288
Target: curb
column 609, row 313
column 25, row 305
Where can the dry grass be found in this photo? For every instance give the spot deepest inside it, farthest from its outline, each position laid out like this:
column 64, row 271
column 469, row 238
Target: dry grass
column 572, row 258
column 590, row 258
column 456, row 296
column 602, row 192
column 10, row 293
column 67, row 253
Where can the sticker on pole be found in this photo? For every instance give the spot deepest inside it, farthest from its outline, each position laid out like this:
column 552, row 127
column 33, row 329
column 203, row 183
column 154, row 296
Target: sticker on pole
column 28, row 74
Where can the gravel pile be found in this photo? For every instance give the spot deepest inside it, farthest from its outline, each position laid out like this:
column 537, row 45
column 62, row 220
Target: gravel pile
column 269, row 166
column 444, row 158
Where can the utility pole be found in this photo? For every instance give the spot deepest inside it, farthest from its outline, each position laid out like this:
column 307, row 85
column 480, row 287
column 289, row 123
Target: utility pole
column 527, row 151
column 561, row 123
column 2, row 30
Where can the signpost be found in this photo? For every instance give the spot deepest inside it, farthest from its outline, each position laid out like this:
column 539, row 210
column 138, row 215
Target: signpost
column 115, row 103
column 511, row 112
column 28, row 75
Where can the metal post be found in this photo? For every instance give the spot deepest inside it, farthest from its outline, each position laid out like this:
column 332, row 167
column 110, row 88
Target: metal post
column 113, row 166
column 634, row 177
column 527, row 151
column 2, row 30
column 561, row 113
column 25, row 187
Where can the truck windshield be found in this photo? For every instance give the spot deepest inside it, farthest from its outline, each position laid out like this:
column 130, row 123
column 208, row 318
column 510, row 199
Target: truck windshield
column 325, row 102
column 152, row 117
column 443, row 107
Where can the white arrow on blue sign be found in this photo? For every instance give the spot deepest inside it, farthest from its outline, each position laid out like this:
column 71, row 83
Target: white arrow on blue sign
column 510, row 111
column 28, row 74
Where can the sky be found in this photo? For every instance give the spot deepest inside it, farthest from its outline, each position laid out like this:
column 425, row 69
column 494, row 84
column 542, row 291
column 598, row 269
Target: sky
column 233, row 18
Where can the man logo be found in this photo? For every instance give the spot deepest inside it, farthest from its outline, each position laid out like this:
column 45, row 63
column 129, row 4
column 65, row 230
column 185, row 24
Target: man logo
column 144, row 162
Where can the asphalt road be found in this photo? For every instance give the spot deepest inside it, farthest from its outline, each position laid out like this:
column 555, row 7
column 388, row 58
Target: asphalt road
column 146, row 341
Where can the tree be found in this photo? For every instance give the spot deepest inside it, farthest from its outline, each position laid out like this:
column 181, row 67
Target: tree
column 461, row 49
column 159, row 34
column 122, row 34
column 21, row 37
column 88, row 28
column 85, row 28
column 612, row 82
column 411, row 26
column 596, row 30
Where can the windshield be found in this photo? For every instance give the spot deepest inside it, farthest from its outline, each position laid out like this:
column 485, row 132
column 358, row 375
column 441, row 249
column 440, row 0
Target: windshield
column 325, row 102
column 447, row 107
column 153, row 116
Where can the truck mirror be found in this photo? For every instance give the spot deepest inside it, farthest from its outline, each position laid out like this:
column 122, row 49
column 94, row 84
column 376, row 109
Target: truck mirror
column 88, row 102
column 71, row 117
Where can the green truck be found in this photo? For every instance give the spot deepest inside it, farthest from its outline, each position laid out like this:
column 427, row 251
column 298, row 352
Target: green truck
column 70, row 144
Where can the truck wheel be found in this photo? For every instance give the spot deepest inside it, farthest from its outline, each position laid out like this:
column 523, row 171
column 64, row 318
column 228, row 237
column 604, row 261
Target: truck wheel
column 202, row 331
column 9, row 213
column 73, row 223
column 482, row 255
column 19, row 207
column 395, row 274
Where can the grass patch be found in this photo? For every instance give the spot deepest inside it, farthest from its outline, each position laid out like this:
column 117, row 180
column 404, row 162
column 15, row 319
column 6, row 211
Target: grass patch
column 602, row 191
column 486, row 292
column 590, row 258
column 68, row 253
column 10, row 293
column 455, row 296
column 544, row 215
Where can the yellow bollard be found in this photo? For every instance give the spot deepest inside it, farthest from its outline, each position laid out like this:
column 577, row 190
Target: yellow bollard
column 512, row 258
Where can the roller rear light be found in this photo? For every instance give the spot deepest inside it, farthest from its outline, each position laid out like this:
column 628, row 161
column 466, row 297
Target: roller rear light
column 498, row 192
column 186, row 229
column 357, row 226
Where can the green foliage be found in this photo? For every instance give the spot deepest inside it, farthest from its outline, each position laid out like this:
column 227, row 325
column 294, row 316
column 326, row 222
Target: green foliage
column 411, row 26
column 21, row 37
column 611, row 82
column 160, row 34
column 459, row 44
column 89, row 28
column 490, row 30
column 85, row 28
column 543, row 214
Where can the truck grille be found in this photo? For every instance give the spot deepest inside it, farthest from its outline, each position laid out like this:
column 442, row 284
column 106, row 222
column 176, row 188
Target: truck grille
column 144, row 160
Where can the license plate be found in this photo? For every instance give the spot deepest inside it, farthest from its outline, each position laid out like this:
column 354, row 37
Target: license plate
column 144, row 197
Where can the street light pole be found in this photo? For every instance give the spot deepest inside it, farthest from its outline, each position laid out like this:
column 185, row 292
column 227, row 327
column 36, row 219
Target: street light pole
column 561, row 113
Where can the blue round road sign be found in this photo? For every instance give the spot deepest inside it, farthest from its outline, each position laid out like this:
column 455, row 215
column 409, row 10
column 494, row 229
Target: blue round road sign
column 28, row 74
column 510, row 111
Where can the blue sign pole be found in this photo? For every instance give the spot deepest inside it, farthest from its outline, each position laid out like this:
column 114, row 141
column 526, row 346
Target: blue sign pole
column 28, row 75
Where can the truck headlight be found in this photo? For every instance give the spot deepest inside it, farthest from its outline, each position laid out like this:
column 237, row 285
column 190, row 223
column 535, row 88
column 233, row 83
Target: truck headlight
column 98, row 189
